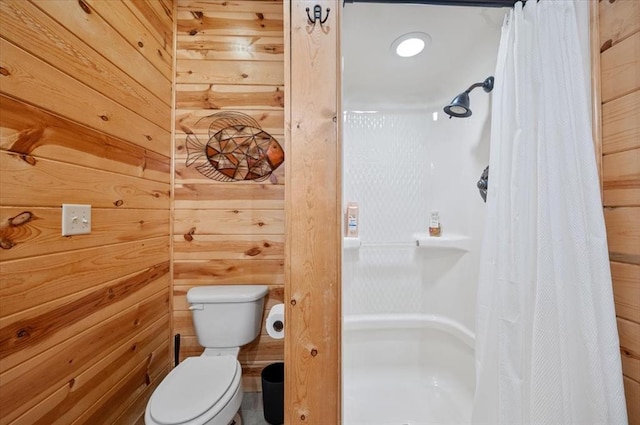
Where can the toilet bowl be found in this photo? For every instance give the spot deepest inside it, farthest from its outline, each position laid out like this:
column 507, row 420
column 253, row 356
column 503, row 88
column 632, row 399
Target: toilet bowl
column 207, row 390
column 203, row 390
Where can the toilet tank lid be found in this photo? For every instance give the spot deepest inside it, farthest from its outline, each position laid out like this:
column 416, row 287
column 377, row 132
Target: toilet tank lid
column 226, row 293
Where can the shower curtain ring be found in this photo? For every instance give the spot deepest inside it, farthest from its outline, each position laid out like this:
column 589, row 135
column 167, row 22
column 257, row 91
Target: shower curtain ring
column 317, row 15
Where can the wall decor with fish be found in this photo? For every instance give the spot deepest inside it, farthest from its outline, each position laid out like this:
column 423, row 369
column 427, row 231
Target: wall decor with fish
column 237, row 149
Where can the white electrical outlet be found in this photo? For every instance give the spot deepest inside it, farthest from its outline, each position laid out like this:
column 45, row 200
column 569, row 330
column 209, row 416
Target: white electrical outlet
column 76, row 219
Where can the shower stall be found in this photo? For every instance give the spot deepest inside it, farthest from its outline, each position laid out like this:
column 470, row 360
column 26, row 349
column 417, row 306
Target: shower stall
column 408, row 297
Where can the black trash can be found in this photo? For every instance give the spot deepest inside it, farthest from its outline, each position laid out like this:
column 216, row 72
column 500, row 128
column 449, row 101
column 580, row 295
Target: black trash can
column 273, row 393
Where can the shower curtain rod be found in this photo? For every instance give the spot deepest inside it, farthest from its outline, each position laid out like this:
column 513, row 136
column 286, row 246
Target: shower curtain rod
column 477, row 3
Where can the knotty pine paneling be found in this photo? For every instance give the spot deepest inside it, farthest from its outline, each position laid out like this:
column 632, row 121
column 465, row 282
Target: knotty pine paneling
column 313, row 227
column 85, row 117
column 618, row 20
column 619, row 66
column 619, row 40
column 629, row 333
column 229, row 57
column 34, row 81
column 20, row 18
column 39, row 233
column 626, row 290
column 271, row 121
column 28, row 130
column 237, row 98
column 621, row 178
column 117, row 29
column 621, row 124
column 632, row 393
column 35, row 379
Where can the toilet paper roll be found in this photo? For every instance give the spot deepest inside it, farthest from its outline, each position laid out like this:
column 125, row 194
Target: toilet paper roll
column 275, row 322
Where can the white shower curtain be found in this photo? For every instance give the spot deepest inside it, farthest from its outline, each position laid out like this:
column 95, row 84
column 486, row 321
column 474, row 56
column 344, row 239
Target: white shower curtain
column 547, row 344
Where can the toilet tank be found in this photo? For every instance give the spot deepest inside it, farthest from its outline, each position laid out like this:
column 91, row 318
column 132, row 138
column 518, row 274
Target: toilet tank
column 227, row 315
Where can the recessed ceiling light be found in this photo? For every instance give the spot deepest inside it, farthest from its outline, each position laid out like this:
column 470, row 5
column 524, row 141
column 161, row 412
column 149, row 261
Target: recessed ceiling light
column 410, row 44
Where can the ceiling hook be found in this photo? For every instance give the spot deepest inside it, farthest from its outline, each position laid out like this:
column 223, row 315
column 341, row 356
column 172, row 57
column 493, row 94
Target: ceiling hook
column 317, row 15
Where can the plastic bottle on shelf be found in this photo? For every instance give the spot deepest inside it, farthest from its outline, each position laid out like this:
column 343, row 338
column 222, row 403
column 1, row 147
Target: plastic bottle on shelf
column 434, row 224
column 352, row 220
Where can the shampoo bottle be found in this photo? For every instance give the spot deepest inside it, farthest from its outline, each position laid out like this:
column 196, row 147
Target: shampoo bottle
column 434, row 224
column 352, row 220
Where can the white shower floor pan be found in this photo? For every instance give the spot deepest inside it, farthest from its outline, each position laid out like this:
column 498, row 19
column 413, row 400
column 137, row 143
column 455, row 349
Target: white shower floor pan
column 406, row 369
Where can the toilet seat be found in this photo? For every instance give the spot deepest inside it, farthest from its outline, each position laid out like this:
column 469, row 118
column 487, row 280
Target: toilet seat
column 198, row 386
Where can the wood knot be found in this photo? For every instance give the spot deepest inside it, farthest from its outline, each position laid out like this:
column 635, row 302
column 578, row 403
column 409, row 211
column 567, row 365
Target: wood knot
column 140, row 44
column 4, row 71
column 189, row 235
column 72, row 383
column 253, row 251
column 303, row 418
column 134, row 347
column 149, row 138
column 293, row 302
column 260, row 16
column 141, row 223
column 193, row 32
column 85, row 7
column 23, row 333
column 118, row 203
column 136, row 322
column 197, row 15
column 260, row 224
column 6, row 243
column 606, row 45
column 160, row 53
column 266, row 244
column 20, row 219
column 235, row 211
column 314, row 352
column 28, row 159
column 104, row 118
column 245, row 75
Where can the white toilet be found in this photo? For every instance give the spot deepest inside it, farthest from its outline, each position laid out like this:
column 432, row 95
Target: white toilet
column 207, row 390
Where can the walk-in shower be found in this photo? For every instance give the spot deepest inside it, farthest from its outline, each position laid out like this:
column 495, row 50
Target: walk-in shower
column 409, row 298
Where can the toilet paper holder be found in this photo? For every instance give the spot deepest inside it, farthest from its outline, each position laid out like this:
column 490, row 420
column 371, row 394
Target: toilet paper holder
column 278, row 326
column 275, row 322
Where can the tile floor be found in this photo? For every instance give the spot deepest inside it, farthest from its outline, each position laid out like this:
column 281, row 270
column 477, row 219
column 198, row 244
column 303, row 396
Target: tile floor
column 251, row 409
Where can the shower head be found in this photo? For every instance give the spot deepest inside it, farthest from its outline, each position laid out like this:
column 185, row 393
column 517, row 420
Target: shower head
column 459, row 106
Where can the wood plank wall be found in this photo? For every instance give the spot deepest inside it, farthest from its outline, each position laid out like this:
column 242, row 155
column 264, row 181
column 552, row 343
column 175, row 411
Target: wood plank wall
column 619, row 22
column 229, row 57
column 313, row 230
column 85, row 117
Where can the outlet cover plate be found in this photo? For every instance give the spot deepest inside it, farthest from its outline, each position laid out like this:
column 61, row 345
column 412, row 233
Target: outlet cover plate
column 76, row 219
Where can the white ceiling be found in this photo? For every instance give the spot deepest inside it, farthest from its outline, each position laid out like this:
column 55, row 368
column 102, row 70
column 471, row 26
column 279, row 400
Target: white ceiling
column 463, row 50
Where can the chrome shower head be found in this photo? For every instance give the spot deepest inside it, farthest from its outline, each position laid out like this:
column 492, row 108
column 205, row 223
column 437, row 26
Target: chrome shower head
column 459, row 106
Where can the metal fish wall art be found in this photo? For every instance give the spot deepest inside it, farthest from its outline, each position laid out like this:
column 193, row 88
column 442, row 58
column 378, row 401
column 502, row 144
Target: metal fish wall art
column 237, row 149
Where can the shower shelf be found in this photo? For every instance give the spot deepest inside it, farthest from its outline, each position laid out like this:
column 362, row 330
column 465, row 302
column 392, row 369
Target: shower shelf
column 356, row 243
column 448, row 242
column 351, row 243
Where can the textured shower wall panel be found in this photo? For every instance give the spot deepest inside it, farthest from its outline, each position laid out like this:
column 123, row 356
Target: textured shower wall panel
column 399, row 166
column 385, row 172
